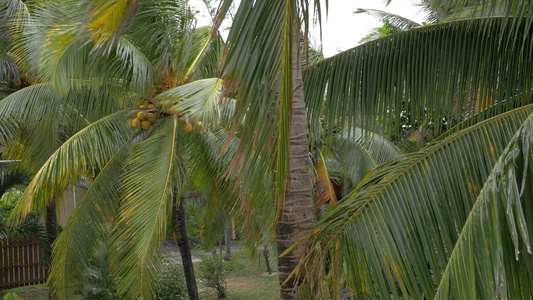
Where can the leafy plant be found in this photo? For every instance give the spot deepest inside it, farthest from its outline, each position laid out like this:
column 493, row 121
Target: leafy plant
column 214, row 271
column 172, row 285
column 196, row 219
column 12, row 296
column 99, row 280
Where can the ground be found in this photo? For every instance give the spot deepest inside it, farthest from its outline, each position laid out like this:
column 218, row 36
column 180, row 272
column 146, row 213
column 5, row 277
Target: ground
column 251, row 282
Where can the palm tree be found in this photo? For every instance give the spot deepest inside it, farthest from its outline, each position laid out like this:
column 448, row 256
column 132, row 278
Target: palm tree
column 92, row 67
column 452, row 220
column 262, row 71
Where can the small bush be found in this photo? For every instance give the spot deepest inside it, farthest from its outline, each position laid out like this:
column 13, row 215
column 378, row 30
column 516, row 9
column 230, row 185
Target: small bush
column 172, row 284
column 214, row 271
column 99, row 282
column 12, row 296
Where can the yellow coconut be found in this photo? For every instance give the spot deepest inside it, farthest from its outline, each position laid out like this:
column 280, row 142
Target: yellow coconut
column 136, row 123
column 151, row 106
column 145, row 125
column 188, row 128
column 141, row 115
column 151, row 117
column 164, row 102
column 129, row 123
column 142, row 106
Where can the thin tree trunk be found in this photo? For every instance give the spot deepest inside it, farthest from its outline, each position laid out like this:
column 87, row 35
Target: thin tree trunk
column 266, row 254
column 297, row 216
column 51, row 221
column 51, row 230
column 227, row 236
column 185, row 250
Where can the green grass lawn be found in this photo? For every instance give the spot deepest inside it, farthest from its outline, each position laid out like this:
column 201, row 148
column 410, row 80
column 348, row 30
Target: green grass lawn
column 37, row 292
column 250, row 282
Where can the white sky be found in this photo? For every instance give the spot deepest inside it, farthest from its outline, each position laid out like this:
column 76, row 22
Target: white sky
column 342, row 30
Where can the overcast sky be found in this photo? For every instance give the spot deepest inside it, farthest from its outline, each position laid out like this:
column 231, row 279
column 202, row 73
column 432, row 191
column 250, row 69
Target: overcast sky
column 342, row 30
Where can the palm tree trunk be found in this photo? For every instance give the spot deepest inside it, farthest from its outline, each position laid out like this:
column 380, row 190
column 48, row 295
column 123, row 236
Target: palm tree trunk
column 185, row 250
column 266, row 254
column 51, row 230
column 227, row 241
column 51, row 221
column 297, row 215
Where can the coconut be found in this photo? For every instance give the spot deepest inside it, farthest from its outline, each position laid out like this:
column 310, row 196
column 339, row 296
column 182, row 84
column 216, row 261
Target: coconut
column 136, row 123
column 188, row 128
column 141, row 115
column 145, row 125
column 151, row 117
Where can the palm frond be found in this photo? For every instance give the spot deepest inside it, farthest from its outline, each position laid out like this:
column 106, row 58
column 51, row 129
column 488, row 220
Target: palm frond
column 377, row 146
column 492, row 256
column 11, row 178
column 30, row 104
column 205, row 53
column 247, row 198
column 436, row 72
column 358, row 153
column 107, row 19
column 324, row 190
column 152, row 172
column 396, row 231
column 81, row 233
column 202, row 100
column 8, row 68
column 83, row 154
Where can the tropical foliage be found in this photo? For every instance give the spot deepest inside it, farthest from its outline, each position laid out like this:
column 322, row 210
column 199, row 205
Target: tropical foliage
column 450, row 220
column 93, row 73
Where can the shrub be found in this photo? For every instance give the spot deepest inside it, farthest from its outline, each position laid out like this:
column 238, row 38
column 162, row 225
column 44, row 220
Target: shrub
column 171, row 284
column 99, row 282
column 12, row 296
column 214, row 271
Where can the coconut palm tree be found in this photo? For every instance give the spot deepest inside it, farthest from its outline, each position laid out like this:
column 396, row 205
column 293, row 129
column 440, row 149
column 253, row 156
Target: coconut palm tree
column 461, row 71
column 452, row 220
column 93, row 73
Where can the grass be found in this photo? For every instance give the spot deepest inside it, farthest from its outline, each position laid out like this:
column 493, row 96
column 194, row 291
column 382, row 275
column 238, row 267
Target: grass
column 34, row 292
column 250, row 282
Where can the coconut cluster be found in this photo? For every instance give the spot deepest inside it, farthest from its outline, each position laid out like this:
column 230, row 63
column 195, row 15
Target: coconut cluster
column 144, row 119
column 150, row 112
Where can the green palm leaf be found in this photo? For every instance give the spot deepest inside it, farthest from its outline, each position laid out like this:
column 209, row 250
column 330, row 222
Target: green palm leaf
column 203, row 100
column 397, row 229
column 361, row 152
column 81, row 233
column 441, row 71
column 152, row 172
column 492, row 257
column 205, row 53
column 83, row 154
